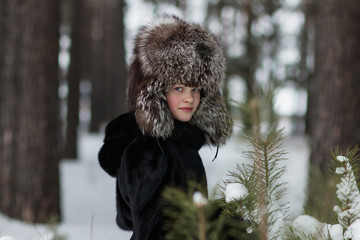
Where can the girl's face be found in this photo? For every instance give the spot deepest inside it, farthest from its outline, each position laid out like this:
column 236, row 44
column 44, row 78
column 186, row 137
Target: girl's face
column 183, row 101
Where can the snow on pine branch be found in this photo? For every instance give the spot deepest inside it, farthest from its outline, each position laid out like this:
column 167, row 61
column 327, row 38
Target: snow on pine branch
column 348, row 227
column 348, row 194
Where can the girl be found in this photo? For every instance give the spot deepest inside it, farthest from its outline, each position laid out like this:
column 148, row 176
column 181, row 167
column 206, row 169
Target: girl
column 175, row 107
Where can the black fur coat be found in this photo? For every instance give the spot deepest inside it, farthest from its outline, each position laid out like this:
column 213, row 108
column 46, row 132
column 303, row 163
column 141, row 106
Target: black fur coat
column 144, row 165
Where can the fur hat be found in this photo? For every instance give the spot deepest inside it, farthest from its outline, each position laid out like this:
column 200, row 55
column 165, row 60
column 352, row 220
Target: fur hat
column 170, row 51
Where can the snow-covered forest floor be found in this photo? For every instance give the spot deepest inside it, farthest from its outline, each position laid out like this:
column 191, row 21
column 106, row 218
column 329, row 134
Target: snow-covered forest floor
column 88, row 193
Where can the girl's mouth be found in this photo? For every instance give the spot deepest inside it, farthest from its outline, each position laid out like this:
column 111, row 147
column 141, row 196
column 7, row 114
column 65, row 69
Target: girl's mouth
column 186, row 109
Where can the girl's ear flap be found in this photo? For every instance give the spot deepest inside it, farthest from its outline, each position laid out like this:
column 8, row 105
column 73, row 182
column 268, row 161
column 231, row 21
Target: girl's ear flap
column 213, row 118
column 152, row 114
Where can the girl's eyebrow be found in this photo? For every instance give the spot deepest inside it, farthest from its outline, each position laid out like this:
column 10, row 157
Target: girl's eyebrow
column 184, row 85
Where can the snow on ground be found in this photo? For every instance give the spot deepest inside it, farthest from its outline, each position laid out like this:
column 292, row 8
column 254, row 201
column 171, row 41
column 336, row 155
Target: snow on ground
column 88, row 193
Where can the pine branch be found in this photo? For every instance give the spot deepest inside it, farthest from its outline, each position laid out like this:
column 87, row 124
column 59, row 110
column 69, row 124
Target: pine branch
column 181, row 216
column 263, row 205
column 347, row 190
column 188, row 218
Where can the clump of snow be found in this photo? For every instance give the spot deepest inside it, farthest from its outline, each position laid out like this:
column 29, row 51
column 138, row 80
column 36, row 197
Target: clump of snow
column 199, row 199
column 335, row 231
column 353, row 231
column 235, row 191
column 342, row 159
column 307, row 225
column 340, row 170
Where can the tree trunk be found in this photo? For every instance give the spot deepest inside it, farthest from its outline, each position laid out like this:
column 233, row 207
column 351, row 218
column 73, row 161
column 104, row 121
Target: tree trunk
column 98, row 94
column 74, row 77
column 29, row 116
column 335, row 89
column 109, row 82
column 119, row 65
column 336, row 86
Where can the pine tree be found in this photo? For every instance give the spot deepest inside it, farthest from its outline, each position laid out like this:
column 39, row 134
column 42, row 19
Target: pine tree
column 263, row 204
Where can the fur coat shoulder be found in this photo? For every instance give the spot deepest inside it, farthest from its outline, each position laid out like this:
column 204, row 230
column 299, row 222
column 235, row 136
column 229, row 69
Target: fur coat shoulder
column 144, row 166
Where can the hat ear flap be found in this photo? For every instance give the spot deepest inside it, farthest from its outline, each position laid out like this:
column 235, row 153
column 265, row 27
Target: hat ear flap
column 152, row 114
column 213, row 118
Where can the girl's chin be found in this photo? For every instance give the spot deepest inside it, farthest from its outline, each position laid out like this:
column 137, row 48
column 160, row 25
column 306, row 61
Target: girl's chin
column 185, row 118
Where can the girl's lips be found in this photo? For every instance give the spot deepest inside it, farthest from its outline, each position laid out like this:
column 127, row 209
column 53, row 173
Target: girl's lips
column 186, row 109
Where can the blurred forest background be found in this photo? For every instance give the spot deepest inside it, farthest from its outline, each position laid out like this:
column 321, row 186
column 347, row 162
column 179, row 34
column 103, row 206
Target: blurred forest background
column 63, row 71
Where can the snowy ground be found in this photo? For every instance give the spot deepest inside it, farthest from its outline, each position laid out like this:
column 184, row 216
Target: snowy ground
column 88, row 193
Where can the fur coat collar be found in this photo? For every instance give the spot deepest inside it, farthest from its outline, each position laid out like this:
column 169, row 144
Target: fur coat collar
column 121, row 131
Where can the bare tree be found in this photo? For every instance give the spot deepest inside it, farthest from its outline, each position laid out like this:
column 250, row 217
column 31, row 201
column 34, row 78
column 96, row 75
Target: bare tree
column 334, row 118
column 109, row 67
column 74, row 77
column 29, row 130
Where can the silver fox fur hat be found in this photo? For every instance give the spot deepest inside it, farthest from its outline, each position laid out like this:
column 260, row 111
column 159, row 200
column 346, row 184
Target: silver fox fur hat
column 169, row 51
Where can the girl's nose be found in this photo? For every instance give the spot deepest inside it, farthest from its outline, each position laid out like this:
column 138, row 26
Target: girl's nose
column 188, row 97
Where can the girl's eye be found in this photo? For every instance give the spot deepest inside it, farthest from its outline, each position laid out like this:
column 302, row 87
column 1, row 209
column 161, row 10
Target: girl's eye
column 179, row 89
column 196, row 89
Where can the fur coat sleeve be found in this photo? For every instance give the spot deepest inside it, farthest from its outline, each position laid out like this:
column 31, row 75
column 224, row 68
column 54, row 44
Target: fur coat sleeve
column 139, row 180
column 118, row 134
